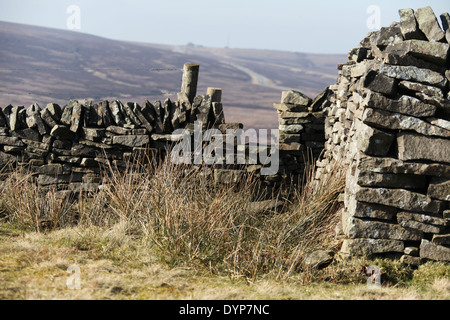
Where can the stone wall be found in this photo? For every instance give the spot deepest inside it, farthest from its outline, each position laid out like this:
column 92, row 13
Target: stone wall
column 66, row 147
column 389, row 124
column 386, row 122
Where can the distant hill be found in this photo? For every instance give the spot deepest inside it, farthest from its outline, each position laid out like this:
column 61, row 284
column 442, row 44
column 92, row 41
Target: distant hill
column 42, row 65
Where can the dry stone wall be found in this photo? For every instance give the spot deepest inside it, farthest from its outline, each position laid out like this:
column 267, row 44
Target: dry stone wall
column 386, row 122
column 389, row 124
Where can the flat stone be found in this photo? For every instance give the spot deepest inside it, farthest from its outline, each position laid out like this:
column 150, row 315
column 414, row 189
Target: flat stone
column 411, row 73
column 372, row 141
column 441, row 239
column 372, row 210
column 428, row 24
column 380, row 83
column 81, row 150
column 436, row 220
column 132, row 140
column 283, row 107
column 319, row 259
column 408, row 25
column 419, row 87
column 439, row 188
column 61, row 132
column 431, row 251
column 417, row 147
column 400, row 198
column 390, row 180
column 410, row 260
column 388, row 36
column 93, row 134
column 11, row 141
column 396, row 121
column 423, row 227
column 381, row 230
column 295, row 97
column 290, row 129
column 435, row 52
column 405, row 105
column 367, row 247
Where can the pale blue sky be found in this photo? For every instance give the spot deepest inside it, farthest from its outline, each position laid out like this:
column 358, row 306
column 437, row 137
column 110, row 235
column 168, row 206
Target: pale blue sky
column 305, row 26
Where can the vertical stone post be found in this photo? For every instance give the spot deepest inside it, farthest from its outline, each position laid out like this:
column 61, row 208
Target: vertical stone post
column 215, row 93
column 190, row 79
column 218, row 116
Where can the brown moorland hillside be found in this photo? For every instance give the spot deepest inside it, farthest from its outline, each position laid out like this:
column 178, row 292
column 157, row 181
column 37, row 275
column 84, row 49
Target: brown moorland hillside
column 43, row 65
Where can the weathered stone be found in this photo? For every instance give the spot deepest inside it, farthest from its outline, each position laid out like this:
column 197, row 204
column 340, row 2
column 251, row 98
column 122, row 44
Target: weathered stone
column 93, row 134
column 13, row 149
column 445, row 18
column 435, row 52
column 54, row 169
column 116, row 114
column 16, row 118
column 146, row 123
column 295, row 97
column 408, row 25
column 441, row 239
column 388, row 36
column 55, row 111
column 409, row 260
column 66, row 116
column 431, row 251
column 367, row 247
column 423, row 227
column 283, row 107
column 3, row 122
column 61, row 132
column 405, row 105
column 128, row 107
column 319, row 259
column 428, row 24
column 373, row 211
column 372, row 141
column 27, row 133
column 132, row 140
column 380, row 83
column 417, row 147
column 411, row 251
column 422, row 218
column 75, row 122
column 47, row 118
column 439, row 188
column 400, row 198
column 412, row 73
column 397, row 121
column 81, row 150
column 290, row 129
column 390, row 180
column 381, row 230
column 418, row 87
column 45, row 180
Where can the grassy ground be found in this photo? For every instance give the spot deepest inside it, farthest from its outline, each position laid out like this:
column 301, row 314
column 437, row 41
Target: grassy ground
column 34, row 266
column 171, row 233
